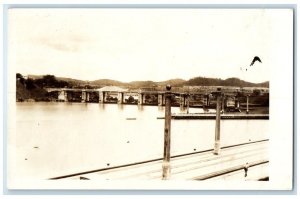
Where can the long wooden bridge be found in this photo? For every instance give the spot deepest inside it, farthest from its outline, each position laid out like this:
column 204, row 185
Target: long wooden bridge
column 185, row 96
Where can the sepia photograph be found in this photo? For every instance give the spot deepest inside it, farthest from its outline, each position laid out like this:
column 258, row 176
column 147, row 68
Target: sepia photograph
column 168, row 98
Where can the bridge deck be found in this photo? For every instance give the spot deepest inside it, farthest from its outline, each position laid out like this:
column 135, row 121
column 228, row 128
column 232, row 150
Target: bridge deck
column 248, row 161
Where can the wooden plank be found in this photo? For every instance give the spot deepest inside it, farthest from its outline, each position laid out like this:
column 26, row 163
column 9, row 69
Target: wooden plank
column 189, row 166
column 210, row 116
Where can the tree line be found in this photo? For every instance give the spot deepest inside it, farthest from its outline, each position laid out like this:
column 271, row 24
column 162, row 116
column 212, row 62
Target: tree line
column 44, row 82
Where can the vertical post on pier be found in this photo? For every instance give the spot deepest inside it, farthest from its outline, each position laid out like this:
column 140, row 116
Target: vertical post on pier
column 247, row 111
column 166, row 169
column 218, row 118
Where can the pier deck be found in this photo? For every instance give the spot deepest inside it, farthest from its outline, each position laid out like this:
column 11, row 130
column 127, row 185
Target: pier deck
column 223, row 116
column 212, row 116
column 247, row 161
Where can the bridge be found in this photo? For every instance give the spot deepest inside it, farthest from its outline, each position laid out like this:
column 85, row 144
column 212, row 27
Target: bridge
column 184, row 97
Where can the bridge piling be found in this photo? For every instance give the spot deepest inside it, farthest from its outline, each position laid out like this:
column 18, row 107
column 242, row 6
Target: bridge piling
column 237, row 103
column 223, row 105
column 247, row 111
column 207, row 100
column 120, row 98
column 161, row 99
column 141, row 99
column 63, row 96
column 101, row 97
column 187, row 103
column 182, row 101
column 87, row 96
column 83, row 96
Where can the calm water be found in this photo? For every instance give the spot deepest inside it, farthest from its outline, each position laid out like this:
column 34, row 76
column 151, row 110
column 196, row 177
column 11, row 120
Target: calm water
column 61, row 138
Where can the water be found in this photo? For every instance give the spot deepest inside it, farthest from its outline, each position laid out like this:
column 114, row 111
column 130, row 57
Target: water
column 55, row 139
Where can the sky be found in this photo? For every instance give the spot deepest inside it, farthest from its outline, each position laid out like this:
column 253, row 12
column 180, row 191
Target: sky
column 146, row 44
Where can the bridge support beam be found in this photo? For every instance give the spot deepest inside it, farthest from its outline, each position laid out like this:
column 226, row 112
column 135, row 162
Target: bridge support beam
column 141, row 99
column 237, row 103
column 187, row 103
column 101, row 97
column 207, row 100
column 161, row 99
column 182, row 101
column 120, row 98
column 223, row 104
column 63, row 96
column 247, row 110
column 87, row 96
column 83, row 96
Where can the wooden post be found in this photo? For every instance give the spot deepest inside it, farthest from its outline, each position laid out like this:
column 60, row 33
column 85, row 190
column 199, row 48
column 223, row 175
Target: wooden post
column 217, row 129
column 166, row 169
column 247, row 111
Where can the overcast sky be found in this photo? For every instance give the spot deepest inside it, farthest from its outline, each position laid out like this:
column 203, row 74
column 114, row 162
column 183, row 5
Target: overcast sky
column 146, row 44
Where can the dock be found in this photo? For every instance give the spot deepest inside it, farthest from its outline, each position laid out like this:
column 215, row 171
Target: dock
column 212, row 116
column 246, row 161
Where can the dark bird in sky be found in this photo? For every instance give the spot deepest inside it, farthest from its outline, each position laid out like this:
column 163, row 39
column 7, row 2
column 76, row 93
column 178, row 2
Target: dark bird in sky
column 254, row 60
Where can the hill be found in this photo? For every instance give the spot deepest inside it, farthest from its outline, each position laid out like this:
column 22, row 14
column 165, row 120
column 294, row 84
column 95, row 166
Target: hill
column 196, row 81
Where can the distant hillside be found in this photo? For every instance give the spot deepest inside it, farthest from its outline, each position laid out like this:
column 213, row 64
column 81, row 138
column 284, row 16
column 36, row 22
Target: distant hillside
column 196, row 81
column 173, row 82
column 203, row 81
column 107, row 82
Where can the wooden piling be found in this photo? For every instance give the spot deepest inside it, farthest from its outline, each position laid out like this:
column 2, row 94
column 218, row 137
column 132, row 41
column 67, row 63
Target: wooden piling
column 217, row 128
column 247, row 111
column 187, row 103
column 223, row 104
column 166, row 169
column 102, row 97
column 83, row 96
column 182, row 102
column 207, row 100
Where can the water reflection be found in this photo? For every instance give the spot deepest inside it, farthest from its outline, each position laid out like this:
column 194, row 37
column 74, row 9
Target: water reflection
column 120, row 107
column 140, row 107
column 101, row 106
column 161, row 108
